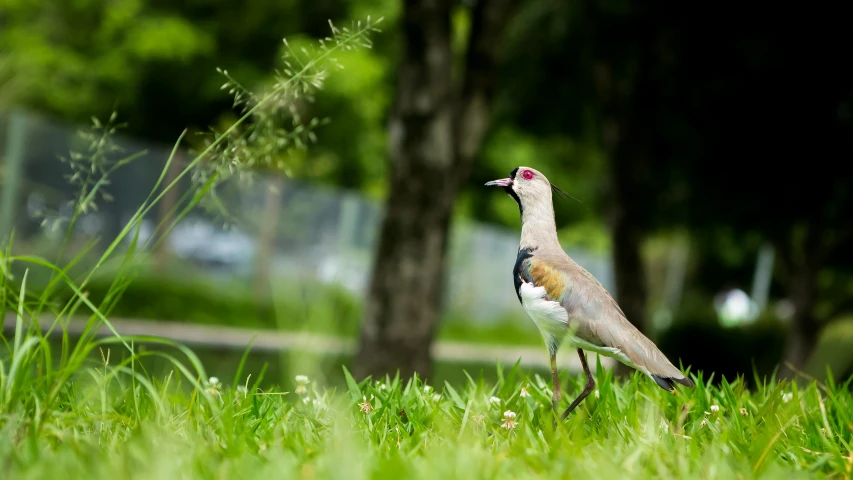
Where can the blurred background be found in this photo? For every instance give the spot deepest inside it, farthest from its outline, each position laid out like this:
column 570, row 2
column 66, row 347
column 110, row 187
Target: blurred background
column 709, row 150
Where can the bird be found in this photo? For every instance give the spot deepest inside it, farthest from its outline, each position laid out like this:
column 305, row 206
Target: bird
column 566, row 302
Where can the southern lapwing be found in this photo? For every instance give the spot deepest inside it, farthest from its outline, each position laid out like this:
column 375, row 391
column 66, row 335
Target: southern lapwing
column 565, row 301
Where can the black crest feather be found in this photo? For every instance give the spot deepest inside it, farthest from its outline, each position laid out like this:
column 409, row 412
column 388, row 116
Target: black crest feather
column 560, row 192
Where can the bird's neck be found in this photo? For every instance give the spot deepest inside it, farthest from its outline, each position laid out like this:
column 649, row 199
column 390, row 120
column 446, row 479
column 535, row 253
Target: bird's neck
column 538, row 228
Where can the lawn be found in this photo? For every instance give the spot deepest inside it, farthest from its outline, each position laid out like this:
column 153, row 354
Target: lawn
column 77, row 413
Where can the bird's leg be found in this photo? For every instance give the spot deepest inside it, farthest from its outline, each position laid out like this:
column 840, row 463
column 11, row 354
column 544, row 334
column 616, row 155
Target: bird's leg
column 590, row 384
column 555, row 398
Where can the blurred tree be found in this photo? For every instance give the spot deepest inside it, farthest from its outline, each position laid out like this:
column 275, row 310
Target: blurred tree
column 435, row 132
column 776, row 144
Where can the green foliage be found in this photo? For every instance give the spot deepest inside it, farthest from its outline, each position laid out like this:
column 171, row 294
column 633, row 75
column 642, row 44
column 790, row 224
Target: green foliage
column 83, row 56
column 359, row 102
column 152, row 60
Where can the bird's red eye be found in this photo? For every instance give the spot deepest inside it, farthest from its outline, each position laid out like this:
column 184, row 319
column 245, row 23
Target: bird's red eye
column 527, row 174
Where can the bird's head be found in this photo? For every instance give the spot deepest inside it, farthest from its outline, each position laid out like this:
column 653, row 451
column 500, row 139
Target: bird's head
column 528, row 187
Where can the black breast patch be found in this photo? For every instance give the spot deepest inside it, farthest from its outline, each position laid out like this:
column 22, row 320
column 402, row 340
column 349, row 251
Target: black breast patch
column 523, row 254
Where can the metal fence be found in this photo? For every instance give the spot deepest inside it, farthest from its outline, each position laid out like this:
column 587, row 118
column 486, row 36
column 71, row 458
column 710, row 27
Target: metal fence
column 323, row 233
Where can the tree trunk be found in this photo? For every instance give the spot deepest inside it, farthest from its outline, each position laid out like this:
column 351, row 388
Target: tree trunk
column 625, row 196
column 627, row 236
column 803, row 333
column 626, row 233
column 434, row 138
column 806, row 255
column 481, row 62
column 629, row 270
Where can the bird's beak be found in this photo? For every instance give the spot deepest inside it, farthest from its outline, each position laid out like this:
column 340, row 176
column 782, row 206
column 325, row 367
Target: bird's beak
column 504, row 182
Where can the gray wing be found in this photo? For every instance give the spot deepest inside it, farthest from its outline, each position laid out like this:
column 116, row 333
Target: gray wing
column 597, row 318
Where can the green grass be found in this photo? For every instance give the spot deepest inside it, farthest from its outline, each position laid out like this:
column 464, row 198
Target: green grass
column 88, row 416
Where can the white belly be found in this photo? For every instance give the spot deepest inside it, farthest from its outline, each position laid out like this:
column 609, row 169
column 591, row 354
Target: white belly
column 549, row 316
column 552, row 319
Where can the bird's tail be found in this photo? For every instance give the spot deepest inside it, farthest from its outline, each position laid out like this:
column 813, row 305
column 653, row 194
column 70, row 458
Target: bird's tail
column 645, row 355
column 668, row 383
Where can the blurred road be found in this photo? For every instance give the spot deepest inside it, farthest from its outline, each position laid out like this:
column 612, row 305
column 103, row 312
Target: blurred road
column 218, row 336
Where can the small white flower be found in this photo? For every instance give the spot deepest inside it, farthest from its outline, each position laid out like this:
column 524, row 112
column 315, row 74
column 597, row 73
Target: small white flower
column 307, row 400
column 383, row 387
column 715, row 408
column 596, row 393
column 495, row 401
column 787, row 397
column 213, row 386
column 436, row 397
column 301, row 382
column 427, row 388
column 523, row 392
column 509, row 420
